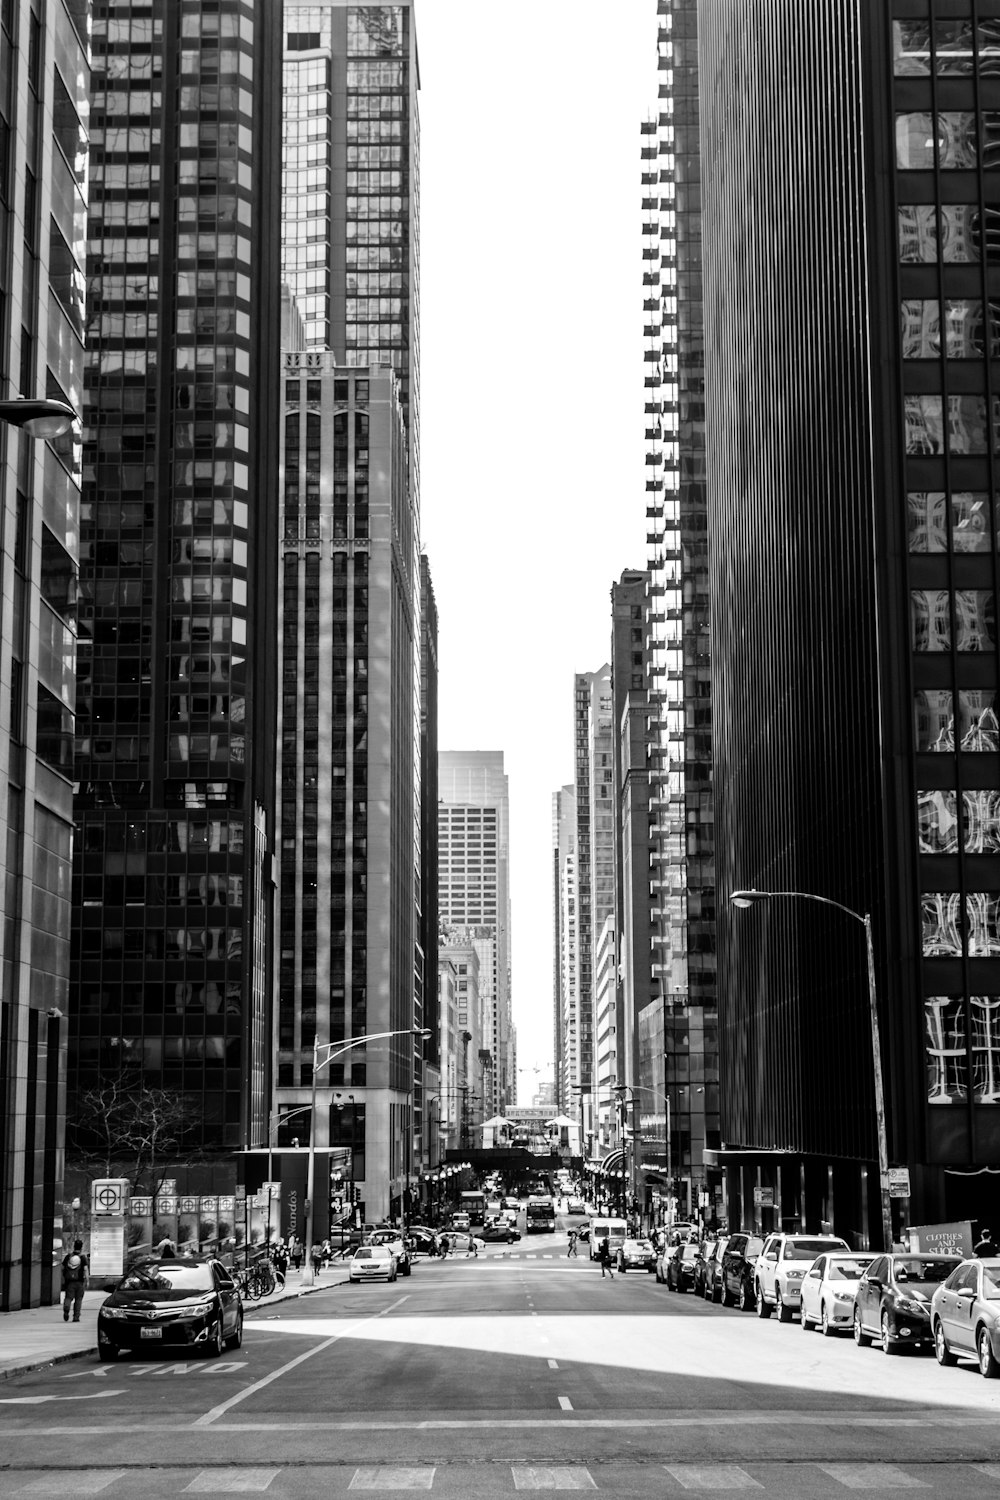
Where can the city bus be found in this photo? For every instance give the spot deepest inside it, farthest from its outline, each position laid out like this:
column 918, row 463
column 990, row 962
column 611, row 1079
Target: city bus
column 541, row 1216
column 473, row 1204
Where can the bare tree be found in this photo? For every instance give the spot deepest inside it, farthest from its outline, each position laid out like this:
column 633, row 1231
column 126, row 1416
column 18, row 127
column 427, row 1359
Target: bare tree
column 126, row 1128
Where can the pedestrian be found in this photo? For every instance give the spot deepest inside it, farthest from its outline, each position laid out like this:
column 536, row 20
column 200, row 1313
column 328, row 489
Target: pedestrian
column 604, row 1255
column 445, row 1246
column 75, row 1275
column 279, row 1259
column 571, row 1251
column 166, row 1249
column 316, row 1258
column 984, row 1245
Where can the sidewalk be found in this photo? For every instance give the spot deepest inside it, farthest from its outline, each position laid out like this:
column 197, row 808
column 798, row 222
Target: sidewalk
column 38, row 1336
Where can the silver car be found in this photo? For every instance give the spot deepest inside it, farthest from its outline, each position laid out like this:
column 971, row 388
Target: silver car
column 965, row 1316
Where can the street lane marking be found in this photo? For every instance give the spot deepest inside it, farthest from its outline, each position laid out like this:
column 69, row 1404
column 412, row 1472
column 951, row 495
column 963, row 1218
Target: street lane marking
column 230, row 1481
column 992, row 1471
column 711, row 1477
column 565, row 1403
column 872, row 1477
column 40, row 1400
column 529, row 1478
column 553, row 1364
column 72, row 1482
column 258, row 1385
column 392, row 1479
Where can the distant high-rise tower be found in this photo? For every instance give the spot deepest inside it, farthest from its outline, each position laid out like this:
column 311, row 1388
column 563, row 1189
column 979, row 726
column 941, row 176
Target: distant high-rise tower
column 595, row 858
column 569, row 1084
column 474, row 891
column 43, row 176
column 175, row 839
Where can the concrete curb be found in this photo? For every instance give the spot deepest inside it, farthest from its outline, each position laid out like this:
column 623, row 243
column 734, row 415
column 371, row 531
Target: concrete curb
column 248, row 1310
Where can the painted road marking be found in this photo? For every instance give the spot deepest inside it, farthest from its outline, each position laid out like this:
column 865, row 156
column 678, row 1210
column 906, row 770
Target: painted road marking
column 872, row 1477
column 72, row 1482
column 553, row 1364
column 39, row 1400
column 992, row 1471
column 565, row 1403
column 712, row 1477
column 258, row 1385
column 230, row 1481
column 528, row 1478
column 392, row 1479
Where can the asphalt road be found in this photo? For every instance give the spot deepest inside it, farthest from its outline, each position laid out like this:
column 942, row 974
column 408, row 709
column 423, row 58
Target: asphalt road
column 519, row 1370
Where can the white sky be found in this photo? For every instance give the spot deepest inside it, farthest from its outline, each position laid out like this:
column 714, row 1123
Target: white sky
column 532, row 482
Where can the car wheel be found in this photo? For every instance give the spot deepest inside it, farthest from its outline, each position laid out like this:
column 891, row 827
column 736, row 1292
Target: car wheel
column 988, row 1366
column 407, row 1269
column 746, row 1297
column 860, row 1337
column 763, row 1308
column 235, row 1339
column 805, row 1323
column 826, row 1328
column 726, row 1296
column 888, row 1347
column 214, row 1344
column 784, row 1312
column 107, row 1353
column 942, row 1353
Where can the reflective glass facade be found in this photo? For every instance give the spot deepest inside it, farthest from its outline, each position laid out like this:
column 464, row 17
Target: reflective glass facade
column 43, row 180
column 174, row 754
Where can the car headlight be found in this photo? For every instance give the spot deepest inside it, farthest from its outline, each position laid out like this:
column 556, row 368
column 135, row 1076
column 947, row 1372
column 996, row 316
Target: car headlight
column 113, row 1312
column 843, row 1293
column 912, row 1306
column 794, row 1275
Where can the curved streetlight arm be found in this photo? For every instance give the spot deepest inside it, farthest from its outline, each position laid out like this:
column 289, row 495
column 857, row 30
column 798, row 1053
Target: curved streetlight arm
column 745, row 899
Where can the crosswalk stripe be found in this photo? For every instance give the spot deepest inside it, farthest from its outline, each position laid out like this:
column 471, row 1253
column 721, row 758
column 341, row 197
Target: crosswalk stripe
column 529, row 1478
column 230, row 1481
column 992, row 1471
column 72, row 1481
column 872, row 1477
column 392, row 1479
column 712, row 1477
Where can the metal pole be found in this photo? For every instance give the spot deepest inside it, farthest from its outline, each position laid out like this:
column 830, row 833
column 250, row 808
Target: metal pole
column 880, row 1131
column 670, row 1175
column 270, row 1172
column 308, row 1274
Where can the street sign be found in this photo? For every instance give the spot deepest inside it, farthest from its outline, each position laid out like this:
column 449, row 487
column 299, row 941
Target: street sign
column 763, row 1197
column 898, row 1182
column 107, row 1245
column 272, row 1188
column 109, row 1195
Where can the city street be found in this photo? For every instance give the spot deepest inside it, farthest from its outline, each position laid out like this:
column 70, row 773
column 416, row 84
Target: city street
column 517, row 1370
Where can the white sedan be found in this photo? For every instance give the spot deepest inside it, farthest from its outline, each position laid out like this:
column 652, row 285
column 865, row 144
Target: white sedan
column 829, row 1288
column 369, row 1262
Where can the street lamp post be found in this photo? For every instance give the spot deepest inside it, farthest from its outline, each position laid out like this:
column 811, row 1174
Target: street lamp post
column 333, row 1050
column 743, row 899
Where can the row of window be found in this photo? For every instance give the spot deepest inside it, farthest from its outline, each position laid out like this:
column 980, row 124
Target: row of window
column 957, row 1070
column 942, row 922
column 954, row 424
column 938, row 826
column 966, row 331
column 942, row 619
column 949, row 48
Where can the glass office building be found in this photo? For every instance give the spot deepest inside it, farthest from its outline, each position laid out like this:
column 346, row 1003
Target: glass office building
column 854, row 438
column 175, row 730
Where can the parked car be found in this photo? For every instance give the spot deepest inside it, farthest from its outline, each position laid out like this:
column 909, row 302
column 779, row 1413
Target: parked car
column 713, row 1269
column 187, row 1303
column 369, row 1262
column 636, row 1255
column 499, row 1232
column 829, row 1288
column 423, row 1240
column 781, row 1266
column 576, row 1206
column 965, row 1316
column 678, row 1266
column 736, row 1284
column 394, row 1239
column 583, row 1232
column 893, row 1301
column 700, row 1265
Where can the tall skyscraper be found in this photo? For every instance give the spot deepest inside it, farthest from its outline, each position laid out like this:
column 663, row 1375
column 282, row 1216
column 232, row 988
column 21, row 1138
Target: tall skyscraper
column 854, row 557
column 175, row 838
column 570, row 1085
column 680, row 680
column 428, row 1018
column 354, row 658
column 595, row 867
column 474, row 891
column 43, row 173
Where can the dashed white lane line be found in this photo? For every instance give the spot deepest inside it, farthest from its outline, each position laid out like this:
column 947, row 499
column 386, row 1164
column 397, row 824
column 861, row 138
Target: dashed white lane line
column 565, row 1403
column 553, row 1364
column 711, row 1477
column 392, row 1479
column 529, row 1478
column 230, row 1482
column 872, row 1477
column 65, row 1482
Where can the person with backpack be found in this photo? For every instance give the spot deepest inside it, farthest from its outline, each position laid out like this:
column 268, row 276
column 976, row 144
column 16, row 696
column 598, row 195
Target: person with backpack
column 75, row 1275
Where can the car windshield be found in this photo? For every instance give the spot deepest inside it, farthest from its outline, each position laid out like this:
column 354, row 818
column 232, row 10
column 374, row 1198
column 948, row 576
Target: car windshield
column 689, row 1252
column 365, row 1254
column 170, row 1276
column 847, row 1270
column 643, row 1246
column 809, row 1249
column 917, row 1268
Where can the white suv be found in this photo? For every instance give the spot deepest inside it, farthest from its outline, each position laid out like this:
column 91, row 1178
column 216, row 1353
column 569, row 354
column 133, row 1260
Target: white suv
column 780, row 1267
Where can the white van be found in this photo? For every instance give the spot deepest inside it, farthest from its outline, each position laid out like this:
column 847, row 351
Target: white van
column 612, row 1230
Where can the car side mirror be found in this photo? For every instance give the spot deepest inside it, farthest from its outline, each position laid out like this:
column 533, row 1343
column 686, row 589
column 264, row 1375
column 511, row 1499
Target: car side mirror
column 967, row 1291
column 872, row 1281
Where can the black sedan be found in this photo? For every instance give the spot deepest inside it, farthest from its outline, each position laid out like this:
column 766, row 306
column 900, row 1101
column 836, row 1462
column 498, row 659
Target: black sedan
column 679, row 1271
column 499, row 1233
column 192, row 1304
column 423, row 1241
column 892, row 1304
column 736, row 1279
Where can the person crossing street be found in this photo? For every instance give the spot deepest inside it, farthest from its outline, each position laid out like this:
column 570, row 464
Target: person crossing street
column 571, row 1248
column 604, row 1255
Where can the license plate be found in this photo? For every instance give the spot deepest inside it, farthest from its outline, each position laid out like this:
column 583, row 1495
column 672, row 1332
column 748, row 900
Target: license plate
column 151, row 1333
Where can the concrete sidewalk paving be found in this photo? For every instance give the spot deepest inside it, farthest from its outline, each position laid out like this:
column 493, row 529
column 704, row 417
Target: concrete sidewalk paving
column 38, row 1336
